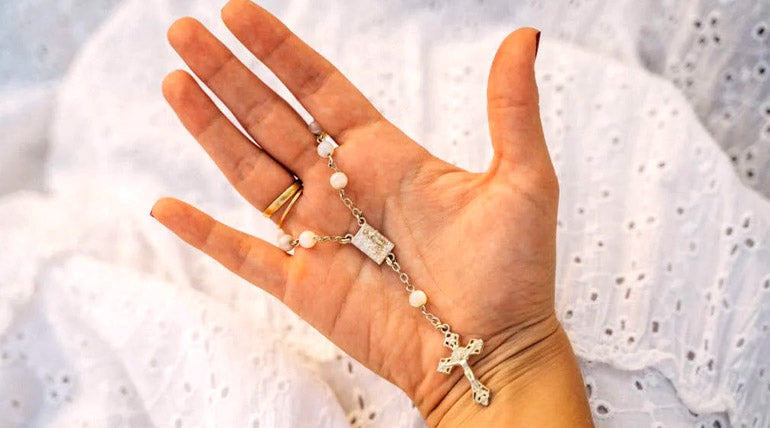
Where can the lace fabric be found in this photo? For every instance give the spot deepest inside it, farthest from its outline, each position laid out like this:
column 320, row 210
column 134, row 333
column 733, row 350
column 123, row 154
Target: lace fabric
column 663, row 285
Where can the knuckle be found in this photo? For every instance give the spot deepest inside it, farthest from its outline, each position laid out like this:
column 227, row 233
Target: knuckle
column 269, row 50
column 313, row 81
column 244, row 169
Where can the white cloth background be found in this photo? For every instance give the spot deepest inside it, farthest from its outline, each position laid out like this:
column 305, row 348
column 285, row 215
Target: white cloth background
column 663, row 281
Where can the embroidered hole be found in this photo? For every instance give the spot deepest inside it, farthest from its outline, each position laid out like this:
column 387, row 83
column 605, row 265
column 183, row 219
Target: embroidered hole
column 602, row 409
column 760, row 31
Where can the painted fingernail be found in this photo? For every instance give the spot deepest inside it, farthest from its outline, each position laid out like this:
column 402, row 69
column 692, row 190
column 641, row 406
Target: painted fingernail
column 537, row 42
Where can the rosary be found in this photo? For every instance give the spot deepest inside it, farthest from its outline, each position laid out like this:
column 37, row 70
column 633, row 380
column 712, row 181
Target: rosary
column 378, row 248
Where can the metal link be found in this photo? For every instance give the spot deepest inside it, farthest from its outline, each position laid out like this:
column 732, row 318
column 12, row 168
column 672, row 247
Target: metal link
column 333, row 165
column 357, row 213
column 404, row 278
column 340, row 239
column 434, row 320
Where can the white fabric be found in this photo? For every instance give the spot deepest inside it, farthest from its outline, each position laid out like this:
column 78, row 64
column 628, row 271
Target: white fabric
column 663, row 281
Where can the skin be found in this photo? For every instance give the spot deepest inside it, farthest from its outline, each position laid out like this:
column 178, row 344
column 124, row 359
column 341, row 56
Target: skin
column 481, row 245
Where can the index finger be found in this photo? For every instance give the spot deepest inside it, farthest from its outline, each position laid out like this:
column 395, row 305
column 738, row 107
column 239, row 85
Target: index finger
column 334, row 102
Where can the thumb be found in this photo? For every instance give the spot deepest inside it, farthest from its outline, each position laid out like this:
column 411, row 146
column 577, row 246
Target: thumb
column 512, row 107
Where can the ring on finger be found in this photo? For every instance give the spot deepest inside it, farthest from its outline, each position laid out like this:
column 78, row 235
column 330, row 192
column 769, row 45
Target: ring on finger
column 284, row 197
column 288, row 207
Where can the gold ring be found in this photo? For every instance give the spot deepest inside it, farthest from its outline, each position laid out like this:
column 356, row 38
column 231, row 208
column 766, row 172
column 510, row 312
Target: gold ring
column 282, row 198
column 288, row 207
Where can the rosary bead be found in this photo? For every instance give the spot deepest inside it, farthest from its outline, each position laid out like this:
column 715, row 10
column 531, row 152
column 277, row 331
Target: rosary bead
column 338, row 180
column 325, row 148
column 284, row 241
column 307, row 239
column 417, row 298
column 315, row 128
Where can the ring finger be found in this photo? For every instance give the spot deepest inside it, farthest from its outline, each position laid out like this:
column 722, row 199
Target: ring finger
column 255, row 175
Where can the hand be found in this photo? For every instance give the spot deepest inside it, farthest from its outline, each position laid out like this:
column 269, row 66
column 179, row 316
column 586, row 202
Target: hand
column 481, row 245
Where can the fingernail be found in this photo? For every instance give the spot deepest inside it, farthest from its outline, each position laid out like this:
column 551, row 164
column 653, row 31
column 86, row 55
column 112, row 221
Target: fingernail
column 537, row 42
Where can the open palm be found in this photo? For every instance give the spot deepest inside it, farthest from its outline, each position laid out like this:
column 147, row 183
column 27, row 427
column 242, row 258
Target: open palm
column 481, row 246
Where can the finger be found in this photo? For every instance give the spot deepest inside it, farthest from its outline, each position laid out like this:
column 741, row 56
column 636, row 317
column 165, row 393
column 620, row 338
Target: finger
column 267, row 117
column 253, row 173
column 250, row 258
column 512, row 105
column 326, row 94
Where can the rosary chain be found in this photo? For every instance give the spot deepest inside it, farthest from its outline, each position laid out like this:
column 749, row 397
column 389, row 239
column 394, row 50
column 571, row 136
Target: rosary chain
column 372, row 238
column 435, row 321
column 352, row 207
column 390, row 259
column 341, row 239
column 357, row 213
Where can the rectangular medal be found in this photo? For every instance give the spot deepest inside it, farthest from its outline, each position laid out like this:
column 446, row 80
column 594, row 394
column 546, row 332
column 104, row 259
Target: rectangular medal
column 372, row 243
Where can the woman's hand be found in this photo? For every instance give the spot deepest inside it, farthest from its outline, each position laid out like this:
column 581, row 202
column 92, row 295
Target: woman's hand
column 481, row 246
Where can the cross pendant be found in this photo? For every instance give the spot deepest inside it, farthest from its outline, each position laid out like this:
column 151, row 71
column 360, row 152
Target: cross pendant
column 459, row 357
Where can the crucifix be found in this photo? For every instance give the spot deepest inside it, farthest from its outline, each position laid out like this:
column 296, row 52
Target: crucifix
column 459, row 357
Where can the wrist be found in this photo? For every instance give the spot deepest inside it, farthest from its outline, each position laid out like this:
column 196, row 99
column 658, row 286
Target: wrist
column 529, row 371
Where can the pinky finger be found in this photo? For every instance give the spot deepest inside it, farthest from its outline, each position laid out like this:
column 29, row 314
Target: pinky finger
column 253, row 259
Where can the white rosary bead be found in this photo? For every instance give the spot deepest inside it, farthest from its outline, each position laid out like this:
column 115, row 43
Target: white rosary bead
column 315, row 128
column 307, row 239
column 417, row 298
column 284, row 241
column 325, row 148
column 338, row 180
